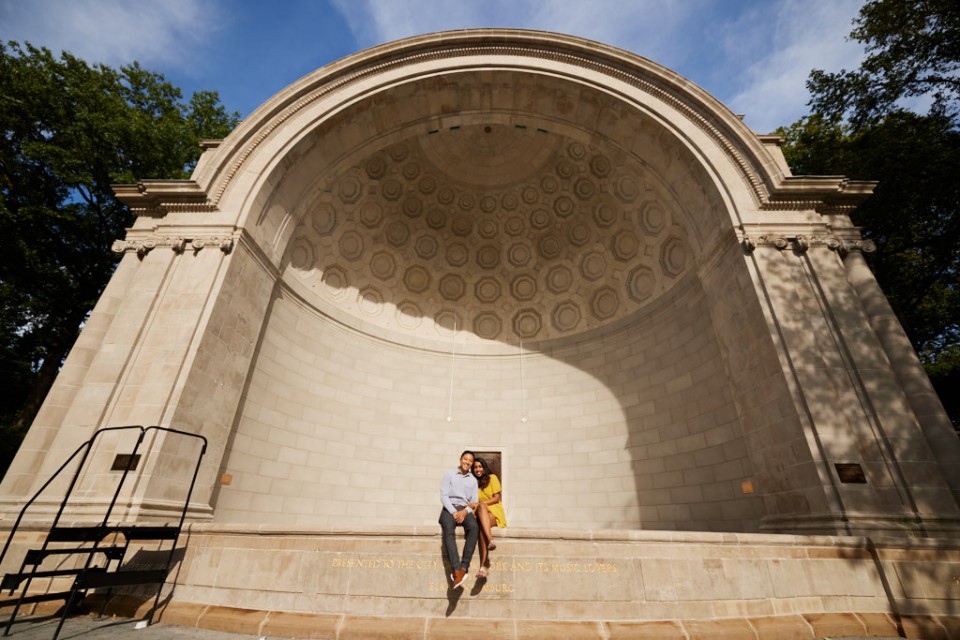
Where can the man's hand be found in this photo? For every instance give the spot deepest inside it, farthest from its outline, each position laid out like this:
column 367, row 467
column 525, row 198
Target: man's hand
column 460, row 516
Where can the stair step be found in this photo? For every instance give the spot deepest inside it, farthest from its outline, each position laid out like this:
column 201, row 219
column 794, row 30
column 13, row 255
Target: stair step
column 119, row 578
column 37, row 597
column 96, row 533
column 93, row 533
column 13, row 580
column 158, row 532
column 36, row 556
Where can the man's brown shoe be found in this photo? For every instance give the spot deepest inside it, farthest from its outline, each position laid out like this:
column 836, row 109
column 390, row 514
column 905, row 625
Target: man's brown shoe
column 458, row 577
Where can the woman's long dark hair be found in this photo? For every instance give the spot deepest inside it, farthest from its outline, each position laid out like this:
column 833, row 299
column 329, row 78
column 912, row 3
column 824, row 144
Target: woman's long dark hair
column 483, row 480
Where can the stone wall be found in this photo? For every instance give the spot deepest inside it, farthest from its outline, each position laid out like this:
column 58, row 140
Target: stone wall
column 632, row 428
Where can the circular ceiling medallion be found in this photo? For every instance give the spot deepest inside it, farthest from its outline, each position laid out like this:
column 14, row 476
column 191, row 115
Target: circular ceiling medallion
column 527, row 323
column 673, row 257
column 427, row 185
column 426, row 246
column 593, row 266
column 519, row 254
column 523, row 287
column 625, row 245
column 550, row 247
column 641, row 283
column 452, row 287
column 487, row 325
column 563, row 206
column 324, row 220
column 537, row 255
column 397, row 233
column 600, row 166
column 487, row 290
column 488, row 256
column 383, row 265
column 335, row 278
column 371, row 215
column 652, row 218
column 488, row 229
column 391, row 189
column 457, row 254
column 417, row 279
column 350, row 189
column 565, row 316
column 302, row 256
column 370, row 301
column 604, row 303
column 409, row 316
column 351, row 245
column 412, row 206
column 559, row 279
column 376, row 167
column 514, row 226
column 626, row 188
column 579, row 234
column 436, row 219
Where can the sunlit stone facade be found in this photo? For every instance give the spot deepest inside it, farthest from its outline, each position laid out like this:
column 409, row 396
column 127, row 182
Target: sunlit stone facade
column 515, row 242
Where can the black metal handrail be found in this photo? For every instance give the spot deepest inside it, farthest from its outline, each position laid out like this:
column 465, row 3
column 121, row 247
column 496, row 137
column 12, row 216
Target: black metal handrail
column 86, row 447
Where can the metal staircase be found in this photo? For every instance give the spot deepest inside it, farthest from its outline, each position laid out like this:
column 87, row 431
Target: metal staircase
column 97, row 551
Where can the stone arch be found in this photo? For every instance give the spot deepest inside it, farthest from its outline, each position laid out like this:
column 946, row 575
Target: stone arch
column 424, row 242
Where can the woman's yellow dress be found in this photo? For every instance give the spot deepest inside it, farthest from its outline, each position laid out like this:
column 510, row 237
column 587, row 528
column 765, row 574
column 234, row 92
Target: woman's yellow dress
column 496, row 510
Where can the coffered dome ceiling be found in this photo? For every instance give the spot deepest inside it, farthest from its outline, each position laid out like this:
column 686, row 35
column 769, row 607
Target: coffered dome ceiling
column 500, row 230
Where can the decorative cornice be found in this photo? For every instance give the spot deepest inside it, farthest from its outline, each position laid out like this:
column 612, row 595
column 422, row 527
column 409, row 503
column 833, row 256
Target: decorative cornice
column 156, row 198
column 823, row 194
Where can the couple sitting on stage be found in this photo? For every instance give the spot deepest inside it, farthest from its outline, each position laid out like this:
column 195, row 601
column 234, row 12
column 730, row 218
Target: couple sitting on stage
column 470, row 493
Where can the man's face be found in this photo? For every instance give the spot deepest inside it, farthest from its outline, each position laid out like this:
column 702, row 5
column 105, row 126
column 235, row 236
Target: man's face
column 466, row 463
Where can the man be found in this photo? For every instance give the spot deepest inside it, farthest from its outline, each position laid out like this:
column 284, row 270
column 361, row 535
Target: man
column 457, row 492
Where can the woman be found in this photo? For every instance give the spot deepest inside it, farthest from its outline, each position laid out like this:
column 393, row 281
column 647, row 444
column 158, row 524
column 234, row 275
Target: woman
column 489, row 510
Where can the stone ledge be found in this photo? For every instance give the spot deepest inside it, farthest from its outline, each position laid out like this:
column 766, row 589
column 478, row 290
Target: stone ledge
column 290, row 624
column 604, row 535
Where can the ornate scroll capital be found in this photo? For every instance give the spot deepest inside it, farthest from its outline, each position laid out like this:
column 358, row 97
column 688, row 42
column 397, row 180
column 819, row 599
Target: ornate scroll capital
column 801, row 242
column 178, row 244
column 860, row 246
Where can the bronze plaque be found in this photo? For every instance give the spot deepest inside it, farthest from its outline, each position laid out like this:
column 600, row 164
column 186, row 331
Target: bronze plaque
column 850, row 473
column 122, row 459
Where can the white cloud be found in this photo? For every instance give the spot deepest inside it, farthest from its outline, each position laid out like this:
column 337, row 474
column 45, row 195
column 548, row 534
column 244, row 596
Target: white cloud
column 647, row 24
column 113, row 32
column 808, row 34
column 753, row 55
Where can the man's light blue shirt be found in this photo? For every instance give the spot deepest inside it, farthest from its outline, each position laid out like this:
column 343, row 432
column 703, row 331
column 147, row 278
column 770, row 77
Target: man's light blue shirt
column 457, row 488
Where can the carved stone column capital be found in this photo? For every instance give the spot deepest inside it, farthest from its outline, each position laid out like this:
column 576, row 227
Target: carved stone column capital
column 144, row 244
column 858, row 246
column 801, row 243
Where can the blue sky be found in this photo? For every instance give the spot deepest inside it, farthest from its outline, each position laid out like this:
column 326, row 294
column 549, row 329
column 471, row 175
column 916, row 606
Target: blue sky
column 753, row 55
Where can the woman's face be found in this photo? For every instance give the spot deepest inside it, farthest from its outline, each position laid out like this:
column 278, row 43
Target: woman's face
column 477, row 469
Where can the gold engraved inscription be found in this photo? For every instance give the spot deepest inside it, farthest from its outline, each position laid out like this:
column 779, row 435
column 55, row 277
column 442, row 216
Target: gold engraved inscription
column 515, row 566
column 502, row 587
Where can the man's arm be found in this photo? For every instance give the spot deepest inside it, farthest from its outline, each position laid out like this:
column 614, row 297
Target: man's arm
column 445, row 487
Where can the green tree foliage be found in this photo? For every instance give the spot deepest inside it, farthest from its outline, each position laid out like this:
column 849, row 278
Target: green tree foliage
column 859, row 127
column 913, row 50
column 69, row 131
